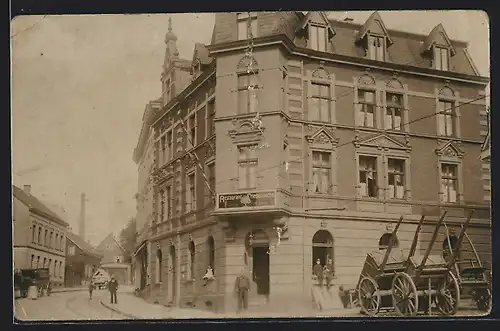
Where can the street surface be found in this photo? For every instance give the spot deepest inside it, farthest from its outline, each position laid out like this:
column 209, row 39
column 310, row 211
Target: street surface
column 76, row 305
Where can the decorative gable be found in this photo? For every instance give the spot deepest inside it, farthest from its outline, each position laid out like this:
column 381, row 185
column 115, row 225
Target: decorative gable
column 438, row 37
column 317, row 18
column 323, row 136
column 374, row 25
column 382, row 142
column 247, row 130
column 450, row 150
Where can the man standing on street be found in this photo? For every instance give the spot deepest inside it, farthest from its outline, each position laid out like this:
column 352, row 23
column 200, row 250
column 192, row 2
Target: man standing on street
column 318, row 272
column 91, row 289
column 329, row 273
column 113, row 287
column 241, row 287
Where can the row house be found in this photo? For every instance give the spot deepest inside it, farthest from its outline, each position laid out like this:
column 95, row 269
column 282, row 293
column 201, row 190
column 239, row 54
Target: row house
column 39, row 235
column 311, row 146
column 82, row 260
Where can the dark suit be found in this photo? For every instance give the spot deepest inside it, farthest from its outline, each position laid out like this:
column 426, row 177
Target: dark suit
column 242, row 287
column 113, row 287
column 318, row 271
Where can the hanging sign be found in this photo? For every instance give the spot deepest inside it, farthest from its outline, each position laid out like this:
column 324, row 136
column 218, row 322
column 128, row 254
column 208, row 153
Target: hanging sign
column 246, row 199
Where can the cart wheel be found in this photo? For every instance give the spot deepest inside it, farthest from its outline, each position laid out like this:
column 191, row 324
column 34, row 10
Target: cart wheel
column 404, row 295
column 448, row 295
column 483, row 299
column 369, row 296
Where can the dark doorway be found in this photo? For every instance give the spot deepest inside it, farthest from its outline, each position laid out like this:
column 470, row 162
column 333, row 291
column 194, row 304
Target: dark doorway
column 322, row 247
column 173, row 273
column 261, row 268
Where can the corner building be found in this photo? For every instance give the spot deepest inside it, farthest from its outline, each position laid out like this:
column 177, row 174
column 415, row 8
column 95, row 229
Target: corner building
column 360, row 124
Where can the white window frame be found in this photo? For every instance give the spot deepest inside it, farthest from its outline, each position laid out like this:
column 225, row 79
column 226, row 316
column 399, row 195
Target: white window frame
column 405, row 117
column 208, row 196
column 438, row 52
column 374, row 52
column 251, row 95
column 359, row 109
column 314, row 43
column 377, row 178
column 327, row 79
column 248, row 161
column 446, row 94
column 242, row 21
column 395, row 195
column 330, row 172
column 320, row 98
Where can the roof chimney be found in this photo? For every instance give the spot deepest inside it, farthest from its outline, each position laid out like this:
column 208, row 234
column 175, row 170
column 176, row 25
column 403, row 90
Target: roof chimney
column 27, row 189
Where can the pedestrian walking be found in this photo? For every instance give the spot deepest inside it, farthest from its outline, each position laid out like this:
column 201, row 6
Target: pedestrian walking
column 318, row 272
column 91, row 289
column 113, row 287
column 329, row 273
column 241, row 287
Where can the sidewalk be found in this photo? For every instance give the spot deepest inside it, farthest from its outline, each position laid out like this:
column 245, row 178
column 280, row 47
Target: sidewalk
column 136, row 308
column 69, row 289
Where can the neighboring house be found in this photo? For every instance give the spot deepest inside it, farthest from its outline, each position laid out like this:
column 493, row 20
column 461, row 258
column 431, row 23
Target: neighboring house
column 113, row 259
column 39, row 235
column 81, row 260
column 358, row 124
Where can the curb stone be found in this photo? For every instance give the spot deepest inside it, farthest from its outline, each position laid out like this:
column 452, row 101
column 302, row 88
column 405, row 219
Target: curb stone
column 118, row 311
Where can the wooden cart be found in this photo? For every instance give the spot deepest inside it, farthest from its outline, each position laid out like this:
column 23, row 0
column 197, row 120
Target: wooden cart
column 400, row 284
column 472, row 276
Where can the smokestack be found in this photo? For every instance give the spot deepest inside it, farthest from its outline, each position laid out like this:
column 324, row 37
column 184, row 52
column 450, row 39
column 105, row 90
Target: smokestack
column 27, row 189
column 82, row 217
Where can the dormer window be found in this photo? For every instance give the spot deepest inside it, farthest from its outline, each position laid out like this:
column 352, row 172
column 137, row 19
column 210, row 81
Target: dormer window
column 375, row 49
column 441, row 58
column 318, row 37
column 243, row 32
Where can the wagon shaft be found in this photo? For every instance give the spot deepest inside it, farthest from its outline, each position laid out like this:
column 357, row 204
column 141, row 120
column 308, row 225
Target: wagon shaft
column 391, row 244
column 456, row 250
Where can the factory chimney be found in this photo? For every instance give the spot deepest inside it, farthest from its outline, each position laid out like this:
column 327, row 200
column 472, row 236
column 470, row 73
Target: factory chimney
column 82, row 217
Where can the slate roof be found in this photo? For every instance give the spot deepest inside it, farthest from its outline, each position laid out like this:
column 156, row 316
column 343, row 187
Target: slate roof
column 36, row 205
column 201, row 53
column 82, row 244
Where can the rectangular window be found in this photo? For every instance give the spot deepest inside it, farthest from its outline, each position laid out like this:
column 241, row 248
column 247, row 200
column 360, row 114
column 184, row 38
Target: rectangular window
column 321, row 172
column 441, row 58
column 191, row 193
column 368, row 176
column 449, row 182
column 319, row 104
column 394, row 111
column 38, row 262
column 376, row 48
column 169, row 145
column 366, row 110
column 45, row 238
column 162, row 205
column 163, row 146
column 317, row 38
column 51, row 244
column 243, row 32
column 33, row 234
column 211, row 181
column 192, row 130
column 247, row 94
column 32, row 261
column 71, row 250
column 247, row 167
column 50, row 267
column 39, row 237
column 168, row 201
column 396, row 178
column 57, row 242
column 210, row 118
column 446, row 118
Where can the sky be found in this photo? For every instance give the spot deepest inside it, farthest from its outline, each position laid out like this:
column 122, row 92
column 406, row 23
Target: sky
column 80, row 85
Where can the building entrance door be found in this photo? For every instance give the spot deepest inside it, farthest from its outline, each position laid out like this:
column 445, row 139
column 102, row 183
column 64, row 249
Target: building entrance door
column 260, row 268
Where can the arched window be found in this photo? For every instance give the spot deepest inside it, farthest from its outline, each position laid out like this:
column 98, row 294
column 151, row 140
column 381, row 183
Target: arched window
column 322, row 243
column 56, row 269
column 39, row 237
column 44, row 262
column 384, row 241
column 449, row 245
column 211, row 252
column 33, row 234
column 158, row 266
column 191, row 268
column 247, row 85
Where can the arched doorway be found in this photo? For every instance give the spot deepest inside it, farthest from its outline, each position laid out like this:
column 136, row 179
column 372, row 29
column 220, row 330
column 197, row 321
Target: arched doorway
column 172, row 274
column 257, row 247
column 384, row 241
column 322, row 243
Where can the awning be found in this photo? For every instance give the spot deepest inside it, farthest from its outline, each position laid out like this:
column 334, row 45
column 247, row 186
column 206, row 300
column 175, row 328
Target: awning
column 141, row 246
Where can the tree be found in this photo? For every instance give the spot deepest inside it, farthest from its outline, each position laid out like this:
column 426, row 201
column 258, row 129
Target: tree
column 128, row 238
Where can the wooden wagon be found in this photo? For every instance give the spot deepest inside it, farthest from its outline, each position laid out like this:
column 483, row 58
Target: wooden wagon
column 398, row 285
column 473, row 277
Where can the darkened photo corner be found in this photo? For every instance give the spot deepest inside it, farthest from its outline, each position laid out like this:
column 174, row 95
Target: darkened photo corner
column 251, row 164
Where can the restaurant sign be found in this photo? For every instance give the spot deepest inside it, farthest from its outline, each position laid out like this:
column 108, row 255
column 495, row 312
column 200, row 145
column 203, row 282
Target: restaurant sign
column 246, row 199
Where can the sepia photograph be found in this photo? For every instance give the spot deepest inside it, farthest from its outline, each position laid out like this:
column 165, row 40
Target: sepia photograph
column 262, row 164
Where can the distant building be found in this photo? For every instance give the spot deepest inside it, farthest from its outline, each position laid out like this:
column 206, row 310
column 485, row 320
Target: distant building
column 113, row 259
column 81, row 260
column 39, row 235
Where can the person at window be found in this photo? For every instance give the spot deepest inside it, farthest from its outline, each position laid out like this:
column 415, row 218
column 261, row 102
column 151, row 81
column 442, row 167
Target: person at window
column 241, row 287
column 329, row 273
column 209, row 275
column 318, row 272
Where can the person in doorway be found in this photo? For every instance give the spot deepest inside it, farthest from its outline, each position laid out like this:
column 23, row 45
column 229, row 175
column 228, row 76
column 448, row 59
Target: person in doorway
column 241, row 287
column 113, row 287
column 318, row 272
column 329, row 273
column 91, row 289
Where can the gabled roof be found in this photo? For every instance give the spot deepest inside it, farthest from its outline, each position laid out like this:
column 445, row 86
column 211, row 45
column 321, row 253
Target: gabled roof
column 374, row 24
column 99, row 248
column 450, row 149
column 316, row 17
column 201, row 54
column 35, row 205
column 438, row 36
column 82, row 244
